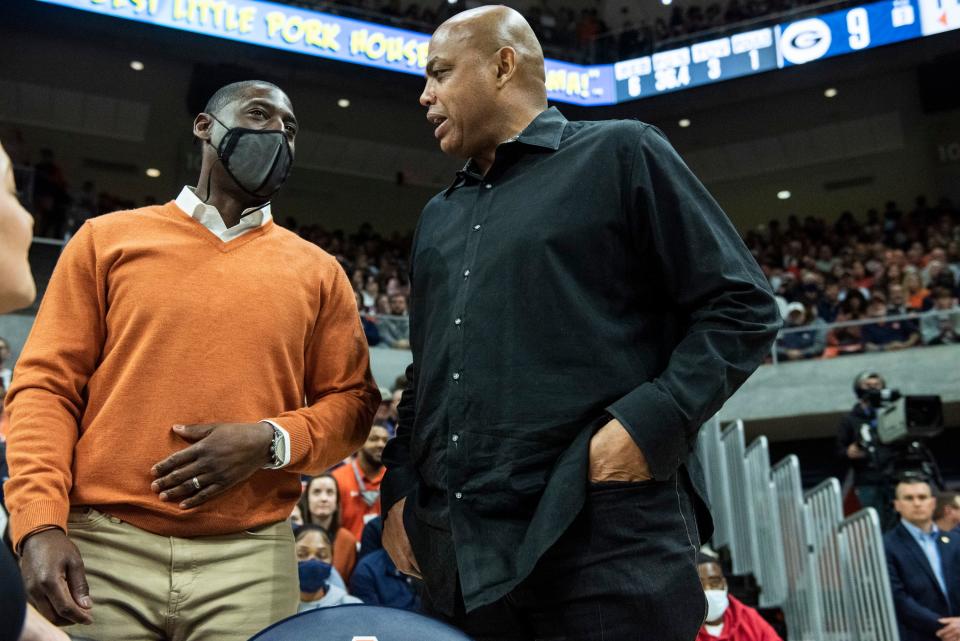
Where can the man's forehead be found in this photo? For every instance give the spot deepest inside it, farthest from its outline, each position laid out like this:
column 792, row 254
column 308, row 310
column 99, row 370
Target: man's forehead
column 265, row 94
column 914, row 489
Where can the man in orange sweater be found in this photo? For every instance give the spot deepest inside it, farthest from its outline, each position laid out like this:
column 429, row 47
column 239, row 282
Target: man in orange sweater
column 157, row 419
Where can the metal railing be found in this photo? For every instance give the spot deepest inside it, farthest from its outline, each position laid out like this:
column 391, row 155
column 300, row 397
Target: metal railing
column 770, row 570
column 825, row 507
column 802, row 607
column 718, row 481
column 867, row 581
column 828, row 574
column 743, row 536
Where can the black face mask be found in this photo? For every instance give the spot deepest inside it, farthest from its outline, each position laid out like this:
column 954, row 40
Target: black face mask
column 257, row 160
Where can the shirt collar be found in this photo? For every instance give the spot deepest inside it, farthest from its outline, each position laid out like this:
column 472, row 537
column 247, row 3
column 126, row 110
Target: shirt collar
column 544, row 131
column 919, row 534
column 208, row 215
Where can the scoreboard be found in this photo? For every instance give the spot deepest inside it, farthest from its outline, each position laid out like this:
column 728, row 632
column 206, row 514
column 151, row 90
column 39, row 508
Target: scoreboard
column 314, row 33
column 783, row 45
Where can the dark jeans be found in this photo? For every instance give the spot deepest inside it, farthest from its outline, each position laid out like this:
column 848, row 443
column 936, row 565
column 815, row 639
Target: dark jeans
column 624, row 571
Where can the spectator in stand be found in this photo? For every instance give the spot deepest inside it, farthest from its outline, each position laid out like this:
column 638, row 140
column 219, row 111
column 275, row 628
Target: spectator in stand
column 727, row 618
column 320, row 584
column 320, row 505
column 370, row 329
column 296, row 517
column 359, row 482
column 847, row 339
column 941, row 326
column 829, row 304
column 796, row 344
column 377, row 581
column 896, row 300
column 6, row 374
column 372, row 538
column 947, row 513
column 916, row 293
column 884, row 336
column 371, row 289
column 924, row 567
column 50, row 196
column 395, row 326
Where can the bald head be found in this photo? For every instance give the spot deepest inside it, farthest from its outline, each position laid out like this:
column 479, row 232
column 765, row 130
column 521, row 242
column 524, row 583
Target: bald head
column 490, row 28
column 485, row 82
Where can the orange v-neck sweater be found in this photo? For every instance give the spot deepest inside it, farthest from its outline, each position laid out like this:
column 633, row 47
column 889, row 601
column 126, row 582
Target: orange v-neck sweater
column 149, row 321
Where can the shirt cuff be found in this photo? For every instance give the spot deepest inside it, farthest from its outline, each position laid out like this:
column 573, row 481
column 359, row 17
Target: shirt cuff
column 286, row 446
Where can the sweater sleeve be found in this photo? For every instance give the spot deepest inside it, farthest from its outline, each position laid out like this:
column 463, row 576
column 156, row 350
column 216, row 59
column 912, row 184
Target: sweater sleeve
column 341, row 395
column 47, row 398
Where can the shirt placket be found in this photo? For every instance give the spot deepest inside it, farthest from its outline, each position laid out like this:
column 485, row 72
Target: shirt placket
column 456, row 466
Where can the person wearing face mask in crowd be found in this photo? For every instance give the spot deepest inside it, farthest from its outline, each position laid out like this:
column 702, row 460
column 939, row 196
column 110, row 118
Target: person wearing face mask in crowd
column 138, row 509
column 727, row 618
column 320, row 584
column 320, row 505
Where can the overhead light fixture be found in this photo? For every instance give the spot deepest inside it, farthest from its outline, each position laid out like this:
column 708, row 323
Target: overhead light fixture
column 343, row 103
column 684, row 122
column 783, row 195
column 136, row 65
column 830, row 93
column 153, row 172
column 667, row 2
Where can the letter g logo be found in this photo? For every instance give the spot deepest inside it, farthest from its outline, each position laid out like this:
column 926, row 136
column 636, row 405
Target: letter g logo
column 805, row 41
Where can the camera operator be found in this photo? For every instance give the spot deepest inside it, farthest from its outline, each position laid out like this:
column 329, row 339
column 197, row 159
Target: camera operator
column 859, row 446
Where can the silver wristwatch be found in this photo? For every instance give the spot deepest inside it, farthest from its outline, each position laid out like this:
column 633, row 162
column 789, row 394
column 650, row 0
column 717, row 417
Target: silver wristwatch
column 278, row 449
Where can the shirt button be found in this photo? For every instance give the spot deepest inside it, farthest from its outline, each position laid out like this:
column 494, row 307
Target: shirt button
column 456, row 376
column 488, row 186
column 459, row 495
column 476, row 228
column 458, row 322
column 466, row 273
column 455, row 438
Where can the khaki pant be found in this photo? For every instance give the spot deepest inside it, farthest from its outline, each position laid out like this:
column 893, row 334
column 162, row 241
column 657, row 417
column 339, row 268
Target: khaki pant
column 147, row 587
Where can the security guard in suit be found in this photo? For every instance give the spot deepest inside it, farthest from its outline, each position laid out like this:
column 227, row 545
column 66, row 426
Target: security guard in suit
column 924, row 566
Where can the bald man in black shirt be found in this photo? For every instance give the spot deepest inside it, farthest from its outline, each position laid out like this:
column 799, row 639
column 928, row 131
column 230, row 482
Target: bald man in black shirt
column 580, row 306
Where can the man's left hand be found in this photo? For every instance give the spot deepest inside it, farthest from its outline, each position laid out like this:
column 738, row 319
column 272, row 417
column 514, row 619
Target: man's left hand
column 614, row 456
column 222, row 455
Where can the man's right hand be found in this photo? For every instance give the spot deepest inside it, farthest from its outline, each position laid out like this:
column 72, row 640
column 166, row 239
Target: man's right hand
column 950, row 630
column 396, row 543
column 855, row 452
column 55, row 579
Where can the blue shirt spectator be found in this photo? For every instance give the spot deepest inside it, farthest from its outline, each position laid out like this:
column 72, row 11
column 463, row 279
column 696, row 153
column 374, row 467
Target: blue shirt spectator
column 377, row 581
column 887, row 336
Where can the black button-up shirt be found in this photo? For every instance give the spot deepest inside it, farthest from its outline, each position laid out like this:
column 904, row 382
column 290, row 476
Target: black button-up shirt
column 588, row 274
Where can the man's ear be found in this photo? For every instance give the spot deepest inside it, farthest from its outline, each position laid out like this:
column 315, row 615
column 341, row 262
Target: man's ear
column 506, row 65
column 203, row 126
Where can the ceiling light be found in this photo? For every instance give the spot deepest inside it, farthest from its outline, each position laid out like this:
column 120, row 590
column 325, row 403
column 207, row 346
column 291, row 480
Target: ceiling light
column 667, row 2
column 830, row 93
column 783, row 195
column 153, row 172
column 684, row 122
column 343, row 102
column 136, row 65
